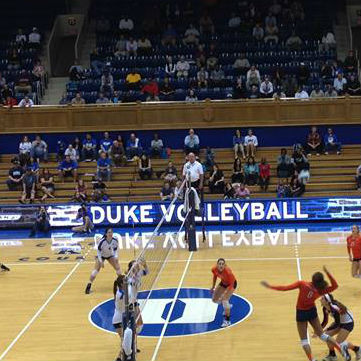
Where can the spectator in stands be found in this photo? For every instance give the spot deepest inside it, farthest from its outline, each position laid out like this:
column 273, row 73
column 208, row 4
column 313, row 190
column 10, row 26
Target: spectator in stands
column 191, row 36
column 151, row 90
column 238, row 175
column 13, row 60
column 303, row 74
column 241, row 64
column 217, row 76
column 251, row 172
column 20, row 38
column 167, row 90
column 102, row 25
column 145, row 167
column 104, row 170
column 191, row 143
column 191, row 97
column 10, row 102
column 200, row 56
column 350, row 63
column 26, row 102
column 131, row 47
column 60, row 150
column 340, row 84
column 39, row 149
column 202, row 78
column 297, row 188
column 156, row 146
column 117, row 154
column 266, row 88
column 89, row 148
column 116, row 97
column 133, row 80
column 328, row 41
column 358, row 177
column 206, row 25
column 78, row 146
column 289, row 85
column 258, row 32
column 38, row 71
column 283, row 189
column 71, row 152
column 126, row 25
column 314, row 142
column 169, row 36
column 279, row 94
column 178, row 192
column 47, row 186
column 271, row 34
column 331, row 142
column 78, row 100
column 212, row 57
column 64, row 99
column 239, row 91
column 216, row 180
column 209, row 159
column 34, row 37
column 170, row 173
column 299, row 159
column 16, row 175
column 254, row 92
column 264, row 174
column 134, row 147
column 234, row 21
column 170, row 67
column 29, row 183
column 301, row 93
column 242, row 192
column 144, row 46
column 99, row 190
column 80, row 194
column 166, row 193
column 238, row 144
column 353, row 86
column 97, row 63
column 23, row 82
column 317, row 92
column 102, row 99
column 229, row 192
column 105, row 144
column 182, row 67
column 284, row 165
column 250, row 143
column 34, row 166
column 121, row 47
column 68, row 168
column 330, row 92
column 107, row 82
column 327, row 71
column 253, row 77
column 76, row 71
column 294, row 42
column 24, row 150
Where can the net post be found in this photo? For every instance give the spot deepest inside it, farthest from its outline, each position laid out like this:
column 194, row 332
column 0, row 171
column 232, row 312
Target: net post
column 190, row 225
column 129, row 321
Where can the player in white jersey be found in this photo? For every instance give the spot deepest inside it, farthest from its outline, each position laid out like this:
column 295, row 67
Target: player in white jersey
column 119, row 310
column 107, row 249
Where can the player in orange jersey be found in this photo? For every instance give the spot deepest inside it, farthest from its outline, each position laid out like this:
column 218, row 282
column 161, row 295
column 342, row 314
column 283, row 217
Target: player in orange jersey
column 354, row 251
column 223, row 292
column 306, row 311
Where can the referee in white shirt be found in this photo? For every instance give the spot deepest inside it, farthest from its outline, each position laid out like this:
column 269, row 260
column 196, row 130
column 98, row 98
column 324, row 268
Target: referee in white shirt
column 195, row 170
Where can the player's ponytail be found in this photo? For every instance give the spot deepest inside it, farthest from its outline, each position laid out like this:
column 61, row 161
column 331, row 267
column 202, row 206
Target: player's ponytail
column 319, row 282
column 118, row 284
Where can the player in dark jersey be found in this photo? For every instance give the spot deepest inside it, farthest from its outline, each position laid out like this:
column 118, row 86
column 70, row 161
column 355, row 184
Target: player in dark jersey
column 4, row 268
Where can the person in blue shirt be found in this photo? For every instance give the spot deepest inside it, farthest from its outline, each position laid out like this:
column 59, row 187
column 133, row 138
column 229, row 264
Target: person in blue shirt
column 134, row 148
column 104, row 167
column 68, row 168
column 331, row 142
column 34, row 166
column 238, row 142
column 105, row 144
column 60, row 150
column 89, row 148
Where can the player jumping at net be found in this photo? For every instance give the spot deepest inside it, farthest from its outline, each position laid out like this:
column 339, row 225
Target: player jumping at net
column 354, row 251
column 306, row 311
column 4, row 268
column 223, row 292
column 342, row 326
column 107, row 249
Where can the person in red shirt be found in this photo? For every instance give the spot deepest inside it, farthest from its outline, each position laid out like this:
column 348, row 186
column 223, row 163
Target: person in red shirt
column 264, row 174
column 223, row 292
column 10, row 102
column 354, row 251
column 151, row 90
column 306, row 311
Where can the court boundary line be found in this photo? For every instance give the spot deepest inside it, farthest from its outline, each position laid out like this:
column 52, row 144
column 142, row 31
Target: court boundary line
column 165, row 325
column 39, row 311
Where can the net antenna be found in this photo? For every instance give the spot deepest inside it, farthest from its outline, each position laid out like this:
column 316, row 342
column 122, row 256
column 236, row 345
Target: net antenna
column 155, row 253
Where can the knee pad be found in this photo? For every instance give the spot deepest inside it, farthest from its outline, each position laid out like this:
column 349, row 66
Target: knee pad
column 304, row 342
column 139, row 329
column 226, row 305
column 324, row 337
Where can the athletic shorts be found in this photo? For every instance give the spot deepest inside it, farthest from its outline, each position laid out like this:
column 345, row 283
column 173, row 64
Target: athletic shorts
column 221, row 284
column 118, row 320
column 356, row 259
column 306, row 315
column 346, row 326
column 104, row 258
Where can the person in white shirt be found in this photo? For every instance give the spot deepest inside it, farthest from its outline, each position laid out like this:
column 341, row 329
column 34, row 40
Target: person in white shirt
column 191, row 36
column 34, row 36
column 24, row 150
column 131, row 47
column 250, row 143
column 126, row 24
column 258, row 32
column 20, row 37
column 301, row 94
column 339, row 84
column 191, row 142
column 253, row 77
column 71, row 152
column 194, row 170
column 241, row 64
column 266, row 88
column 182, row 68
column 234, row 21
column 328, row 42
column 26, row 102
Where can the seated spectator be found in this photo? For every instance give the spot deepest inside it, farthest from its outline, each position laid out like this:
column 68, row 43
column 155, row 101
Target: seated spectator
column 229, row 192
column 68, row 168
column 169, row 36
column 170, row 67
column 34, row 37
column 191, row 97
column 80, row 194
column 89, row 148
column 238, row 175
column 120, row 47
column 241, row 65
column 78, row 146
column 167, row 90
column 104, row 171
column 253, row 77
column 34, row 166
column 23, row 82
column 238, row 144
column 20, row 38
column 10, row 102
column 26, row 102
column 290, row 85
column 47, row 186
column 294, row 42
column 258, row 32
column 216, row 180
column 206, row 25
column 271, row 34
column 105, row 143
column 279, row 94
column 202, row 78
column 13, row 60
column 99, row 193
column 301, row 93
column 239, row 90
column 145, row 167
column 126, row 24
column 303, row 74
column 328, row 41
column 39, row 149
column 156, row 146
column 212, row 57
column 76, row 71
column 64, row 99
column 284, row 165
column 330, row 92
column 200, row 56
column 117, row 154
column 358, row 177
column 191, row 36
column 317, row 92
column 71, row 152
column 116, row 97
column 24, row 150
column 107, row 82
column 191, row 143
column 144, row 46
column 209, row 161
column 251, row 172
column 283, row 189
column 266, row 88
column 353, row 86
column 331, row 142
column 102, row 99
column 133, row 80
column 60, row 150
column 16, row 175
column 264, row 174
column 170, row 173
column 41, row 223
column 182, row 68
column 78, row 100
column 254, row 92
column 327, row 71
column 270, row 19
column 217, row 76
column 242, row 192
column 250, row 143
column 38, row 71
column 29, row 183
column 350, row 63
column 339, row 84
column 178, row 191
column 299, row 159
column 134, row 147
column 151, row 90
column 234, row 21
column 314, row 142
column 166, row 193
column 297, row 188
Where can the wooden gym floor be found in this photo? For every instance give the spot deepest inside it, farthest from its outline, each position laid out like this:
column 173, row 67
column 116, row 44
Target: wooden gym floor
column 44, row 311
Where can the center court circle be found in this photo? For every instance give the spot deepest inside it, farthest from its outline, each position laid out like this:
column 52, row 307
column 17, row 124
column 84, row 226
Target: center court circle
column 193, row 313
